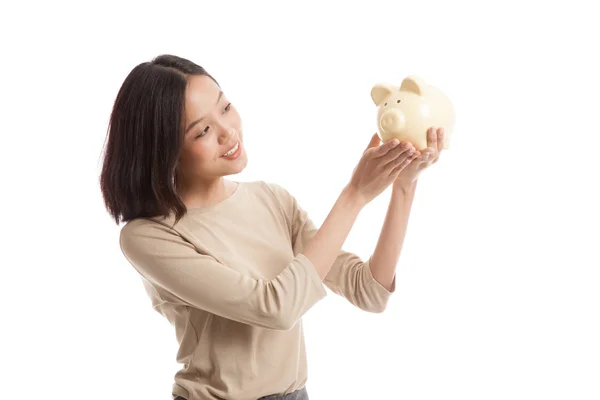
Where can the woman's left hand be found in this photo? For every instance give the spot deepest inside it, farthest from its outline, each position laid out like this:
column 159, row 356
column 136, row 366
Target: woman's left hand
column 422, row 159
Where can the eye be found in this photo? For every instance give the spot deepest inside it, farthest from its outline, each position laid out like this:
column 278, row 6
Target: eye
column 398, row 101
column 385, row 104
column 204, row 131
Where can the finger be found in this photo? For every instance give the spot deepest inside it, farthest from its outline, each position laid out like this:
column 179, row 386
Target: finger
column 427, row 157
column 402, row 150
column 397, row 169
column 404, row 158
column 440, row 140
column 385, row 148
column 373, row 143
column 432, row 138
column 439, row 145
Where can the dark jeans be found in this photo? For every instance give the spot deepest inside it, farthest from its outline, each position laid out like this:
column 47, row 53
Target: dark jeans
column 300, row 394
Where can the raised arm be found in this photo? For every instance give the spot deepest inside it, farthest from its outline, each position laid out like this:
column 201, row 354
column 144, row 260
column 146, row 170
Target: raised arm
column 348, row 276
column 378, row 167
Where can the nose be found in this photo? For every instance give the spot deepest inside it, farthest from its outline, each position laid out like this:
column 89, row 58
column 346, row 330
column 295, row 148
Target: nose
column 392, row 120
column 227, row 133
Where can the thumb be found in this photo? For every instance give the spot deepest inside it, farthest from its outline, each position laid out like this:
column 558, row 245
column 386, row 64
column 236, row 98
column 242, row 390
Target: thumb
column 374, row 141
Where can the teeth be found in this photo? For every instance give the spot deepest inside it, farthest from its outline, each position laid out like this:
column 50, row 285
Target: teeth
column 230, row 152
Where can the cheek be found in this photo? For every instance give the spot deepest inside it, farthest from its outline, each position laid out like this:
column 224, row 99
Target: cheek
column 204, row 152
column 236, row 121
column 196, row 153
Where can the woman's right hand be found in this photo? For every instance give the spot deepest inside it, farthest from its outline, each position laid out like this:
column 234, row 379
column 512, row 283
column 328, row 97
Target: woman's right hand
column 379, row 167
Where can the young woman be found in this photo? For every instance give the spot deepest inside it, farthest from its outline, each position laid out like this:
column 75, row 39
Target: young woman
column 233, row 266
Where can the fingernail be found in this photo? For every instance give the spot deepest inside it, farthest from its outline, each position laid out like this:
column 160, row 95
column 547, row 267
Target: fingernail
column 395, row 142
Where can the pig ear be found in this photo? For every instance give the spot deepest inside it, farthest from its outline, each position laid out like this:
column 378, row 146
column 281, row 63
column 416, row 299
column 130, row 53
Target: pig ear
column 379, row 93
column 412, row 84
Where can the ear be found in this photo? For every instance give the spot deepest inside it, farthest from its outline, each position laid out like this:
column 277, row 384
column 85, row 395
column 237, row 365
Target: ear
column 379, row 93
column 412, row 84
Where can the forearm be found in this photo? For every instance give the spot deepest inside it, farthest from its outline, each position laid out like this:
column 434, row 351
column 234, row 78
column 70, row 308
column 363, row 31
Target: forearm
column 324, row 247
column 391, row 239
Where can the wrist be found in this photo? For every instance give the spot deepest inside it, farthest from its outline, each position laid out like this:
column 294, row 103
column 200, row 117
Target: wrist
column 352, row 199
column 405, row 188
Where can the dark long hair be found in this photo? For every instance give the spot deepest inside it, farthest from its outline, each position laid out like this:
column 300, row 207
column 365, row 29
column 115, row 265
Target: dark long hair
column 140, row 169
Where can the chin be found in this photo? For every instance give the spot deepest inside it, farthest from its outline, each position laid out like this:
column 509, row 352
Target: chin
column 239, row 166
column 242, row 165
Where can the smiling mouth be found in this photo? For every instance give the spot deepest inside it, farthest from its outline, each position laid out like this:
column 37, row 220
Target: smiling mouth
column 232, row 150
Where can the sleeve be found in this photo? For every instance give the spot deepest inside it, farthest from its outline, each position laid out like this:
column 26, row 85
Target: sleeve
column 350, row 276
column 167, row 260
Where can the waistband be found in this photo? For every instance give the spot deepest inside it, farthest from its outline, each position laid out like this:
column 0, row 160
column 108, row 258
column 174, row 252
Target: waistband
column 300, row 394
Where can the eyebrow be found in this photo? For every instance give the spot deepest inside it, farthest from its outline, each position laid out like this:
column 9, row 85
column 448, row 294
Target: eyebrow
column 191, row 125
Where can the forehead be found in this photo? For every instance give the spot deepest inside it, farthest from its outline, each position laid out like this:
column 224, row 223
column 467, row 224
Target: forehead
column 200, row 95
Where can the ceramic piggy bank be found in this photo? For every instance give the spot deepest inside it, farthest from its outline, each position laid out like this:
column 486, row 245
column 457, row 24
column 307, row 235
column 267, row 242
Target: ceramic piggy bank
column 406, row 112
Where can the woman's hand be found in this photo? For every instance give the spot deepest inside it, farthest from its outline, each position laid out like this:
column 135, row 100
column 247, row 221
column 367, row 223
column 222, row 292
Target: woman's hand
column 378, row 168
column 422, row 160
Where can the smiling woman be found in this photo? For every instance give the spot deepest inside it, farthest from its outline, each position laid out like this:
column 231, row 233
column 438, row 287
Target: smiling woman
column 177, row 171
column 213, row 143
column 233, row 266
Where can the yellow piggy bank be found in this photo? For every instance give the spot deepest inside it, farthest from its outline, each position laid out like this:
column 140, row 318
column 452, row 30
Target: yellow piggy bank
column 406, row 112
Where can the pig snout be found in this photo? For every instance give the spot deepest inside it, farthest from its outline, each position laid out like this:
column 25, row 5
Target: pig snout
column 392, row 120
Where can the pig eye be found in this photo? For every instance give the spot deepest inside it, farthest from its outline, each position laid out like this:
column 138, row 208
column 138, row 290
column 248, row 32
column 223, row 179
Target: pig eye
column 398, row 101
column 385, row 104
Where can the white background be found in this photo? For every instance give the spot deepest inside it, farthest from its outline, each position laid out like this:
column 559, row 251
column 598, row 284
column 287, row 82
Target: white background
column 498, row 283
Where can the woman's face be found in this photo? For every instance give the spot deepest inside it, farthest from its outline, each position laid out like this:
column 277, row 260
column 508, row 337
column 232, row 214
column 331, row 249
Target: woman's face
column 212, row 133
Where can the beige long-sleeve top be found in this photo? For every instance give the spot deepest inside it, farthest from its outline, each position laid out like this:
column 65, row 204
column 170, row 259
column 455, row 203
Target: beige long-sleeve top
column 234, row 284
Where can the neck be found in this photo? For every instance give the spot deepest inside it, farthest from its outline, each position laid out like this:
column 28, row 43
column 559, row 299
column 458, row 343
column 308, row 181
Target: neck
column 207, row 194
